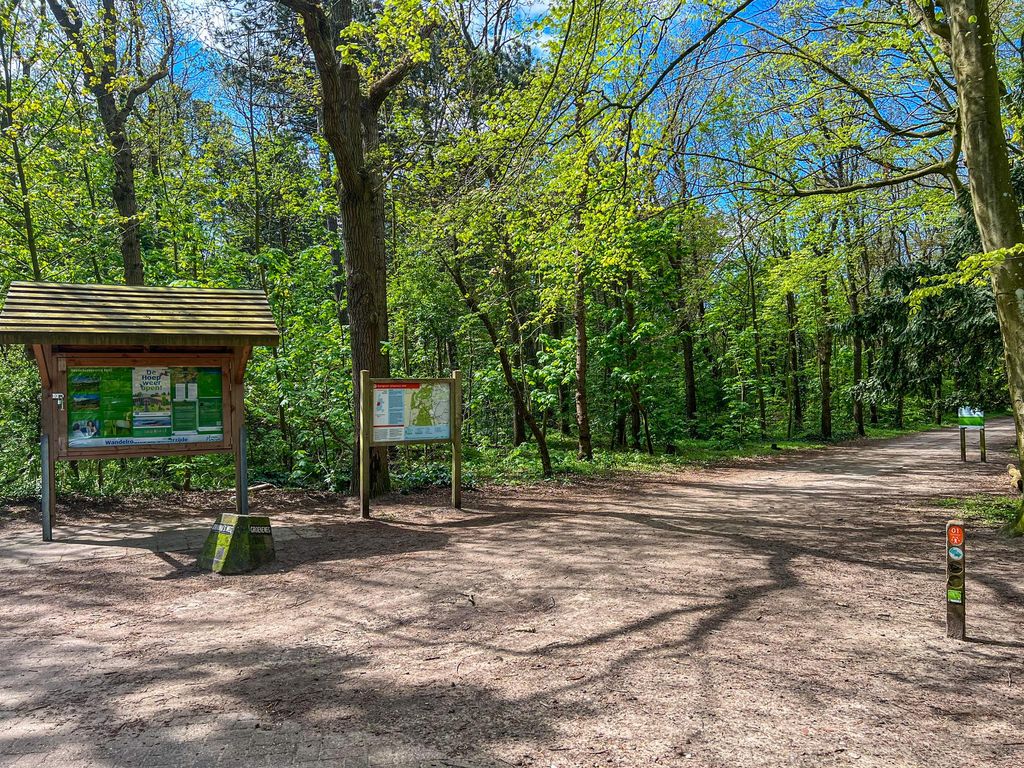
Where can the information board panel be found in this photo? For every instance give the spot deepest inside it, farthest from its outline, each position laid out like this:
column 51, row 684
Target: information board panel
column 971, row 418
column 144, row 405
column 411, row 411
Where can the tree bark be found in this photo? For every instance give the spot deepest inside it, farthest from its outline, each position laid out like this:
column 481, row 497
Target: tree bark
column 585, row 447
column 796, row 395
column 825, row 359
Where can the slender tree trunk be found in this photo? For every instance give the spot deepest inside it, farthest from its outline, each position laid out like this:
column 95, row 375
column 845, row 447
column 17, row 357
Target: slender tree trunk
column 585, row 446
column 758, row 371
column 825, row 359
column 796, row 394
column 515, row 387
column 689, row 377
column 858, row 354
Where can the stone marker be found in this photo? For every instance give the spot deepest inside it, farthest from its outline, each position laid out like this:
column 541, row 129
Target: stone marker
column 237, row 544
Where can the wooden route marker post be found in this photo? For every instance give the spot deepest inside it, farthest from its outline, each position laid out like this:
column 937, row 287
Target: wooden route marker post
column 138, row 371
column 956, row 576
column 409, row 411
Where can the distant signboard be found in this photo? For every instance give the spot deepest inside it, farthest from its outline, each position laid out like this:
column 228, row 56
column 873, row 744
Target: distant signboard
column 411, row 411
column 144, row 405
column 971, row 418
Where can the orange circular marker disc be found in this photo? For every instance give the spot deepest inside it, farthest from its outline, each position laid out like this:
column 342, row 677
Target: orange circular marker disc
column 955, row 535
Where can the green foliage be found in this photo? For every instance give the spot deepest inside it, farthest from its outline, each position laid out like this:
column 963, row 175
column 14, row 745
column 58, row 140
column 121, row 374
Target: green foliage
column 565, row 172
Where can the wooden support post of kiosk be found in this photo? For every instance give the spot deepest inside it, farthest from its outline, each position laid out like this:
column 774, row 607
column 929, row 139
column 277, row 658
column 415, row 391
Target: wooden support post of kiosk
column 365, row 438
column 963, row 444
column 981, row 438
column 241, row 435
column 456, row 422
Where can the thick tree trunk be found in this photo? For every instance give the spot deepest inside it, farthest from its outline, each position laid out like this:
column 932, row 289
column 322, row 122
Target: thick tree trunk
column 123, row 192
column 972, row 52
column 365, row 272
column 585, row 448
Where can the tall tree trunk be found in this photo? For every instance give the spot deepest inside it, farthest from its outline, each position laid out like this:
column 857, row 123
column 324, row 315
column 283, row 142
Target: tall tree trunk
column 858, row 352
column 796, row 396
column 758, row 371
column 629, row 308
column 966, row 35
column 689, row 376
column 585, row 448
column 350, row 119
column 115, row 100
column 825, row 359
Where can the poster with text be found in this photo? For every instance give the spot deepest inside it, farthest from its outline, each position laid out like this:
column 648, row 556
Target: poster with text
column 144, row 405
column 411, row 411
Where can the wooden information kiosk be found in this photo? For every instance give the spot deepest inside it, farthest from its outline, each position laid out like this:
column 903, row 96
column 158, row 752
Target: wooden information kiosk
column 138, row 371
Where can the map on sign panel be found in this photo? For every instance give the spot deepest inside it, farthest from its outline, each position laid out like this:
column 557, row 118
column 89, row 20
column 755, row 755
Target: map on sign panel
column 411, row 411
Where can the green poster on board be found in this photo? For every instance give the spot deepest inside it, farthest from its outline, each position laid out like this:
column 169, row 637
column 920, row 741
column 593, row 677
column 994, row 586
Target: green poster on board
column 124, row 406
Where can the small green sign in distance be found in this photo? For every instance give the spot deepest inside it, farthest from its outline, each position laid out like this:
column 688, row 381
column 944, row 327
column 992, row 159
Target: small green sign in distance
column 971, row 418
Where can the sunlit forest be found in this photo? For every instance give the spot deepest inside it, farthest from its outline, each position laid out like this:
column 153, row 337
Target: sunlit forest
column 645, row 232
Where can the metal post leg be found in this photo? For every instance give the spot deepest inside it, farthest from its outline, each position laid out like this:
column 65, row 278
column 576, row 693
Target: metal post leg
column 45, row 495
column 242, row 475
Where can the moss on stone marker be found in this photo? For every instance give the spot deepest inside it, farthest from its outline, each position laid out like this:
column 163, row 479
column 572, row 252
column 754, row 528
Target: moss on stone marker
column 237, row 544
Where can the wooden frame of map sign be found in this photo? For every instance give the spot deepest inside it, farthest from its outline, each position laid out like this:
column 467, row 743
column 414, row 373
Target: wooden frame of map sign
column 374, row 407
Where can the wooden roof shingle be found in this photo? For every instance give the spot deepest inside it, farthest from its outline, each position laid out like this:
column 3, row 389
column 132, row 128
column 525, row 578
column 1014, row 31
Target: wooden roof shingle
column 114, row 315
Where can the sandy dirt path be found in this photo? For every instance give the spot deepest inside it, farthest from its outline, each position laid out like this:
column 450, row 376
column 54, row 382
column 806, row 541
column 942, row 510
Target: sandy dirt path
column 778, row 612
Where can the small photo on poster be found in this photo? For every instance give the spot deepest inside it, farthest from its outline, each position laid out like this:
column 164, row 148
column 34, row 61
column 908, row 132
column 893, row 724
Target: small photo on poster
column 81, row 431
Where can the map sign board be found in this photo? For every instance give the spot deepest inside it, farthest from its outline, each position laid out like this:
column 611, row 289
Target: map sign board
column 403, row 411
column 411, row 411
column 144, row 405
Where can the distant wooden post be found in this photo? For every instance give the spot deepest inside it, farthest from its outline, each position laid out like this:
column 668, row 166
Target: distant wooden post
column 365, row 438
column 963, row 444
column 956, row 577
column 456, row 420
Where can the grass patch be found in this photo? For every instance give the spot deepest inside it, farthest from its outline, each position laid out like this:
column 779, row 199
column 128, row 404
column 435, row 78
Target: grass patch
column 999, row 511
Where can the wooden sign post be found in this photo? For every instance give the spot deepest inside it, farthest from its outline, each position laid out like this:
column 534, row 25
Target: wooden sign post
column 137, row 371
column 971, row 420
column 409, row 411
column 956, row 576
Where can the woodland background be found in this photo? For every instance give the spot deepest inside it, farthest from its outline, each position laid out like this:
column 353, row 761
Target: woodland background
column 608, row 201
